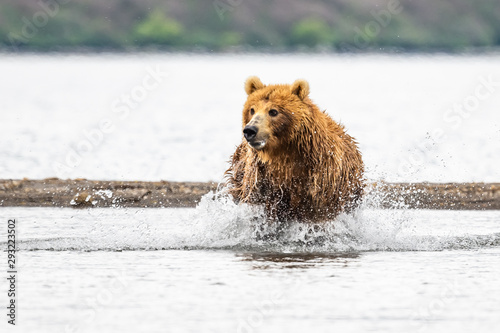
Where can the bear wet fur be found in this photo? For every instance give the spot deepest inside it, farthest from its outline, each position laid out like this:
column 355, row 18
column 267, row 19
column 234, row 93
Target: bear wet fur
column 294, row 159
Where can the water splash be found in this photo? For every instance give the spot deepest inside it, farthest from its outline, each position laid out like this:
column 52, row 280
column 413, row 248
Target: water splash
column 367, row 229
column 218, row 223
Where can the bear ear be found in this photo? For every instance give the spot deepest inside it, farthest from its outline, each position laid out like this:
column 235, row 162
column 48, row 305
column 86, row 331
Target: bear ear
column 253, row 83
column 300, row 88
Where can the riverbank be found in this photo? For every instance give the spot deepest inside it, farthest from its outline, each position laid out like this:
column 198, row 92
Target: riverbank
column 83, row 193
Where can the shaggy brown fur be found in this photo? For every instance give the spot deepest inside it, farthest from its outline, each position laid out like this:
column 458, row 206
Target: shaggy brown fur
column 309, row 169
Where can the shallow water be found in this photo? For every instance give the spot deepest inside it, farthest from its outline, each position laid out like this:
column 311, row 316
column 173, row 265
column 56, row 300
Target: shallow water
column 202, row 270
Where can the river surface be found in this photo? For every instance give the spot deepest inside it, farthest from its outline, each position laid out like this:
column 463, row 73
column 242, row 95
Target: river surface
column 178, row 117
column 202, row 270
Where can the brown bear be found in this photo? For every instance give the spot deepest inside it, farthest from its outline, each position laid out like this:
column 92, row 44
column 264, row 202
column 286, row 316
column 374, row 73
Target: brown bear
column 294, row 159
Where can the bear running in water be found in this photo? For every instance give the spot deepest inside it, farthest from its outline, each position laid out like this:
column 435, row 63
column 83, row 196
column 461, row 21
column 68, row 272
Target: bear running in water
column 294, row 159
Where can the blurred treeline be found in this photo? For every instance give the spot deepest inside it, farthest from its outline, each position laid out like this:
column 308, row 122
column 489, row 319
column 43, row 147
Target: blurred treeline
column 339, row 25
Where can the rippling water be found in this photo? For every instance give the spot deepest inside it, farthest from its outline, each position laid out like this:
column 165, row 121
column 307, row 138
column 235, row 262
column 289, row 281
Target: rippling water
column 203, row 270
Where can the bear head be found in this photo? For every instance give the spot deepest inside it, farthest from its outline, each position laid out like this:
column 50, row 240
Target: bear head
column 273, row 115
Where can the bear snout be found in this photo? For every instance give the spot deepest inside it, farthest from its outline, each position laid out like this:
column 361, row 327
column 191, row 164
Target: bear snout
column 250, row 132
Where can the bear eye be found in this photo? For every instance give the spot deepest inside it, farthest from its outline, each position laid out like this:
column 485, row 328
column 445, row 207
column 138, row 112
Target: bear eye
column 252, row 111
column 273, row 112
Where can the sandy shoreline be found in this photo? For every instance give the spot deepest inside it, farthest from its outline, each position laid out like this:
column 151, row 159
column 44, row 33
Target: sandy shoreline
column 81, row 193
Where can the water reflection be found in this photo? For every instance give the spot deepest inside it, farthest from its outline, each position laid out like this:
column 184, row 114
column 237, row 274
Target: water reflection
column 273, row 260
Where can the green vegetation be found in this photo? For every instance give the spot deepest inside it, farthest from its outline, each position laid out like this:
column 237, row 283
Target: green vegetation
column 339, row 25
column 158, row 29
column 312, row 32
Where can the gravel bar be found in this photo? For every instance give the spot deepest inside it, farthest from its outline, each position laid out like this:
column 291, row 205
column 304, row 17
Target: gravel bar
column 82, row 193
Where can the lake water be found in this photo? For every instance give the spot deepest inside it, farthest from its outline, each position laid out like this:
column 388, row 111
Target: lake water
column 201, row 270
column 177, row 117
